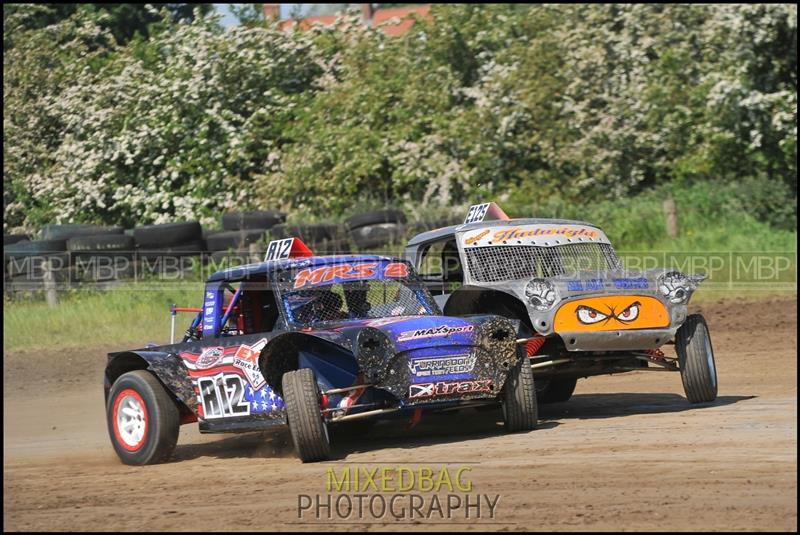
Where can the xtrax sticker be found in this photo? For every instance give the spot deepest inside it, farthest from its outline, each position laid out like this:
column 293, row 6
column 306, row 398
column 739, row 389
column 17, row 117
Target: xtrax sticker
column 222, row 396
column 246, row 359
column 449, row 388
column 434, row 332
column 442, row 365
column 209, row 357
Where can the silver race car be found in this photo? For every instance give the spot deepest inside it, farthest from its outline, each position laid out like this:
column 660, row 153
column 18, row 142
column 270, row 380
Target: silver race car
column 581, row 312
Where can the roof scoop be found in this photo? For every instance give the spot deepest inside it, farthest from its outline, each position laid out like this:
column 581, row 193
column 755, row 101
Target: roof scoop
column 287, row 248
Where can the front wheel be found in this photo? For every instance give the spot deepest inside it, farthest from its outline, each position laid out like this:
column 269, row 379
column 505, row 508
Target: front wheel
column 306, row 425
column 142, row 418
column 696, row 358
column 557, row 390
column 520, row 411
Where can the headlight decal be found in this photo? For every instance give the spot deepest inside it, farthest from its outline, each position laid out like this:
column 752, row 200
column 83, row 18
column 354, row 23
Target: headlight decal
column 676, row 287
column 541, row 294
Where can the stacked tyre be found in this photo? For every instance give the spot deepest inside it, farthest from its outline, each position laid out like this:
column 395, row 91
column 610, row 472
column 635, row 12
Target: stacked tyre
column 27, row 263
column 168, row 248
column 376, row 229
column 239, row 231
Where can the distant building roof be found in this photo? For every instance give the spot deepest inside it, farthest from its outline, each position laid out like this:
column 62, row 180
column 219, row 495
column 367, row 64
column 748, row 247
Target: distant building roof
column 392, row 21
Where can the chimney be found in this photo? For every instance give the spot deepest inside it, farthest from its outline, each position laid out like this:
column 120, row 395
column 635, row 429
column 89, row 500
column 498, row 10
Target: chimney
column 366, row 13
column 271, row 12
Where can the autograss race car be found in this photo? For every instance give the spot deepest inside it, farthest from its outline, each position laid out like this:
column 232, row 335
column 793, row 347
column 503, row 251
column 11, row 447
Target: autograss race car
column 580, row 312
column 311, row 342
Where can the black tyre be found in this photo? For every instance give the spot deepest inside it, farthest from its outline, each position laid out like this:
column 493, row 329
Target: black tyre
column 100, row 244
column 379, row 235
column 34, row 248
column 195, row 248
column 376, row 217
column 696, row 358
column 143, row 419
column 235, row 239
column 556, row 390
column 338, row 246
column 311, row 234
column 168, row 235
column 306, row 425
column 65, row 232
column 520, row 411
column 11, row 239
column 259, row 219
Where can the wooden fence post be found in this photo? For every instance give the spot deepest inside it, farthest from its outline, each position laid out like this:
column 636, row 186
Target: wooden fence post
column 671, row 215
column 50, row 284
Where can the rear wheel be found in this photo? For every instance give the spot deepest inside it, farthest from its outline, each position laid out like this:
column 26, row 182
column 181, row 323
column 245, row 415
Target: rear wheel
column 143, row 420
column 520, row 411
column 696, row 358
column 306, row 425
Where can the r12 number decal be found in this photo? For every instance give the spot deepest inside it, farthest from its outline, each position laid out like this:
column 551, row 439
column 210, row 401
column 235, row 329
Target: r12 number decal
column 477, row 212
column 223, row 396
column 279, row 249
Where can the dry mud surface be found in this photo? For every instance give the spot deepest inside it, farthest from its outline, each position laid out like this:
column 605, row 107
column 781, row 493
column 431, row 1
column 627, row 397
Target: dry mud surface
column 627, row 452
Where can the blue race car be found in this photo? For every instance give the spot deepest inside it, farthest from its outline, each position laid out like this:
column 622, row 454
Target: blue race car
column 311, row 342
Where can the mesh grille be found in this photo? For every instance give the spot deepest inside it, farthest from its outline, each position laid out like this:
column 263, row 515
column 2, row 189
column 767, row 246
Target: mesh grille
column 365, row 299
column 511, row 262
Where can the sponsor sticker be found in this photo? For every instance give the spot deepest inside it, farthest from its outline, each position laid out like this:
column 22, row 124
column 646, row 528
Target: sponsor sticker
column 209, row 357
column 469, row 240
column 443, row 330
column 345, row 272
column 442, row 365
column 246, row 359
column 449, row 388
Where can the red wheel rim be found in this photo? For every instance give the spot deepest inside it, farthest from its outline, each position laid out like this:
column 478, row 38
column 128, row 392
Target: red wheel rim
column 130, row 421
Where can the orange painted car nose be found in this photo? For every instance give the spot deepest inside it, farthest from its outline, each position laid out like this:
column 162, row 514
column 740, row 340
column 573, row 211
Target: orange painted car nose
column 611, row 313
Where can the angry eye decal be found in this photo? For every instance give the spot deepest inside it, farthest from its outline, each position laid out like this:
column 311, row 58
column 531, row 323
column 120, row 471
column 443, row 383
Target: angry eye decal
column 630, row 313
column 588, row 315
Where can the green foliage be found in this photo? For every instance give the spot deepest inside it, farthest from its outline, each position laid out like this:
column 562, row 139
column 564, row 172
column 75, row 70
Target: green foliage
column 566, row 106
column 124, row 21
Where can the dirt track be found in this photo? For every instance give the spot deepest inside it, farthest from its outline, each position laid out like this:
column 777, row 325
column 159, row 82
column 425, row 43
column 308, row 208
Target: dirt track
column 626, row 453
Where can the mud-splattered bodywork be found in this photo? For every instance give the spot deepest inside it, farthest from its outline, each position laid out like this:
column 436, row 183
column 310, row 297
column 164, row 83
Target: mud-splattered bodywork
column 232, row 381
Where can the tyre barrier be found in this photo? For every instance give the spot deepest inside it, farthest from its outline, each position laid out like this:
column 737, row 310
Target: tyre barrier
column 72, row 230
column 377, row 228
column 310, row 234
column 11, row 239
column 103, row 245
column 375, row 217
column 234, row 239
column 168, row 235
column 258, row 219
column 93, row 253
